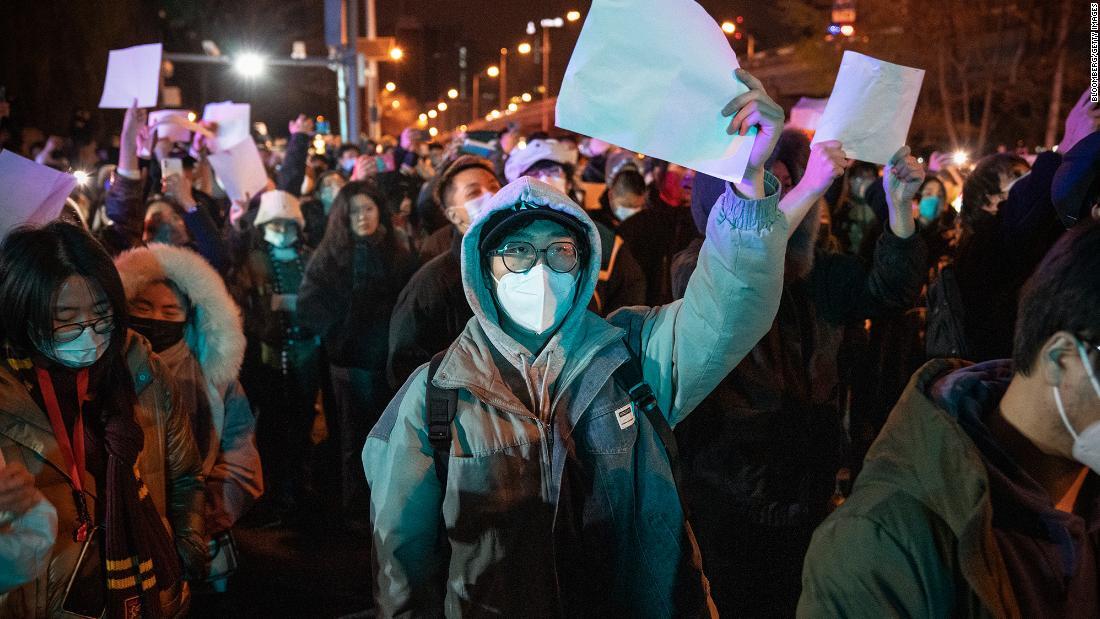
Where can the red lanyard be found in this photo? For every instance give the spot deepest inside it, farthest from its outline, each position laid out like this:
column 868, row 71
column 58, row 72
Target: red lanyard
column 71, row 450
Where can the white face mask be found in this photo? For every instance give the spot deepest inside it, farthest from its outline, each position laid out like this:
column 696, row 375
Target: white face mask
column 81, row 352
column 477, row 205
column 622, row 213
column 281, row 240
column 1086, row 445
column 537, row 300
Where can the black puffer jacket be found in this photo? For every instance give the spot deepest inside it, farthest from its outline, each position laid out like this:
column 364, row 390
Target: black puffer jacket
column 429, row 314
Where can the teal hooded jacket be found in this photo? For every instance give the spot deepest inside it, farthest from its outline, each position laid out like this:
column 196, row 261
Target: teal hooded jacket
column 566, row 507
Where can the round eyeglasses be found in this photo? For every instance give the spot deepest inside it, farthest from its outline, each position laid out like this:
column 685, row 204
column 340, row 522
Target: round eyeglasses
column 521, row 256
column 69, row 332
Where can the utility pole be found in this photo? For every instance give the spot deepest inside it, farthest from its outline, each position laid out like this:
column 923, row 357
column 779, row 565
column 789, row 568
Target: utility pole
column 351, row 74
column 374, row 128
column 545, row 77
column 503, row 78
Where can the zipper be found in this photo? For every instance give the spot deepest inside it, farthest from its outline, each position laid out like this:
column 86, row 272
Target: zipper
column 547, row 444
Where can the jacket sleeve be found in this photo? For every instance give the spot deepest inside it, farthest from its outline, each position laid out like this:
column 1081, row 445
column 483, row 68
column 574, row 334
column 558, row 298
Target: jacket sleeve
column 236, row 480
column 208, row 240
column 856, row 567
column 293, row 171
column 323, row 301
column 688, row 346
column 126, row 211
column 627, row 281
column 406, row 507
column 184, row 479
column 845, row 290
column 1028, row 209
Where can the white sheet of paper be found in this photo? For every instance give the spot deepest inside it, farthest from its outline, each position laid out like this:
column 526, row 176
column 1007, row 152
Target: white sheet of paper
column 30, row 193
column 871, row 107
column 806, row 114
column 175, row 132
column 132, row 73
column 234, row 123
column 239, row 170
column 653, row 76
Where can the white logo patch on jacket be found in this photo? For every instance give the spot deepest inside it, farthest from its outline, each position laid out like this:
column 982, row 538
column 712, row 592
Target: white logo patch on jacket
column 625, row 416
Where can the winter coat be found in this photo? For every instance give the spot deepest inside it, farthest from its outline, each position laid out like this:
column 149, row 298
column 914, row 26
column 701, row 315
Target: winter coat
column 26, row 542
column 999, row 255
column 168, row 462
column 769, row 439
column 558, row 501
column 654, row 236
column 208, row 361
column 348, row 299
column 916, row 537
column 429, row 314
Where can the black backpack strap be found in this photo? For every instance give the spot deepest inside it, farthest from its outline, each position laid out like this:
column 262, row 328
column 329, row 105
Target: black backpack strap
column 629, row 378
column 442, row 406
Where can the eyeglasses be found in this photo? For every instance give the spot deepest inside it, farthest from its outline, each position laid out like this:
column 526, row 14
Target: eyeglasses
column 69, row 332
column 521, row 256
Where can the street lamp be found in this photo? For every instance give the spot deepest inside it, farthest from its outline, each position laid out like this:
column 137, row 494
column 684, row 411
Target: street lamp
column 442, row 107
column 433, row 132
column 432, row 113
column 250, row 64
column 573, row 15
column 491, row 72
column 397, row 53
column 452, row 93
column 526, row 97
column 390, row 87
column 524, row 48
column 423, row 117
column 729, row 27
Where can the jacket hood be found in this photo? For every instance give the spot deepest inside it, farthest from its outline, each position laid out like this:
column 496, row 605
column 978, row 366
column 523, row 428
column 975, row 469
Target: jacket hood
column 214, row 330
column 478, row 285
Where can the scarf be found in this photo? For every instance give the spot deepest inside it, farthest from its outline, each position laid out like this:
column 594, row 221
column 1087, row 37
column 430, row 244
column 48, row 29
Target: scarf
column 139, row 555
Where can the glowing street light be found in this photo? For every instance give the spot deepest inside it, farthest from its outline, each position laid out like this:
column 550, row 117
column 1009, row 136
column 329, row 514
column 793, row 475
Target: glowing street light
column 512, row 107
column 423, row 118
column 960, row 157
column 493, row 71
column 390, row 87
column 395, row 104
column 191, row 116
column 250, row 64
column 442, row 107
column 525, row 97
column 524, row 48
column 729, row 27
column 432, row 113
column 573, row 15
column 433, row 132
column 397, row 53
column 452, row 93
column 847, row 30
column 81, row 177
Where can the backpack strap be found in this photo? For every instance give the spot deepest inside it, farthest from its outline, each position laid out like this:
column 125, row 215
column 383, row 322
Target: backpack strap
column 442, row 407
column 628, row 377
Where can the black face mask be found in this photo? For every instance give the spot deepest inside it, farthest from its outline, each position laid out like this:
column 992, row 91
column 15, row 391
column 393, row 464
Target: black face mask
column 162, row 334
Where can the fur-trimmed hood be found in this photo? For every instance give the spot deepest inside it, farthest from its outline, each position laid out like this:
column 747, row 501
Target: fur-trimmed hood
column 214, row 331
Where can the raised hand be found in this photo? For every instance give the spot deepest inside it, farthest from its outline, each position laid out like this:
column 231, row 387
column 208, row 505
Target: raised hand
column 901, row 180
column 302, row 124
column 1083, row 119
column 755, row 108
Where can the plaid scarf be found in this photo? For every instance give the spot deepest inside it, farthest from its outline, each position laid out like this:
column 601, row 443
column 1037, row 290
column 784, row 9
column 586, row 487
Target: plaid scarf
column 140, row 557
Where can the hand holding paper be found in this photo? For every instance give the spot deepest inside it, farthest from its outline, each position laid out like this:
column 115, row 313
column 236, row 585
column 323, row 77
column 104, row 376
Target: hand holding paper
column 652, row 76
column 232, row 121
column 755, row 109
column 240, row 170
column 870, row 108
column 132, row 73
column 901, row 182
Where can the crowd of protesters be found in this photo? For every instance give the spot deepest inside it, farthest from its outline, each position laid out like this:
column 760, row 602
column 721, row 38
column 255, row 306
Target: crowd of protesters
column 560, row 378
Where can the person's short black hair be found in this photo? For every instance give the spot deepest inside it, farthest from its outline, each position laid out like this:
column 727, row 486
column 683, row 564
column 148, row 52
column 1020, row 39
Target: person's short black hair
column 629, row 181
column 435, row 146
column 1063, row 294
column 346, row 147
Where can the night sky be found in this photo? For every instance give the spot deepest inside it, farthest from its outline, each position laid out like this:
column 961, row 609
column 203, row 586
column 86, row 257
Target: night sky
column 53, row 54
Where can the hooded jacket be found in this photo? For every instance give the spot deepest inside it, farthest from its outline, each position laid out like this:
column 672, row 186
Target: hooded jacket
column 566, row 507
column 922, row 533
column 207, row 361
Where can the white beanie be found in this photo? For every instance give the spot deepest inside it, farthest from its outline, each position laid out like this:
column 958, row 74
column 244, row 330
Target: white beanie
column 278, row 204
column 522, row 159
